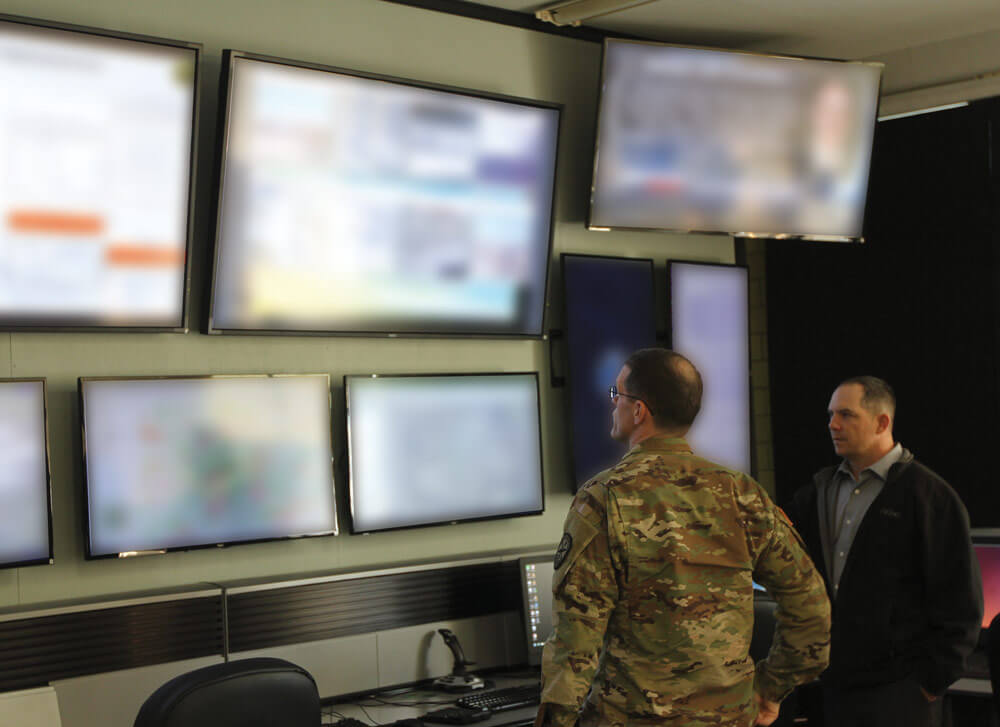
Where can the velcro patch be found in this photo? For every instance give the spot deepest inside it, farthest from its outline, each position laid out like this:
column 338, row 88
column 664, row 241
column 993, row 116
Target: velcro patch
column 565, row 545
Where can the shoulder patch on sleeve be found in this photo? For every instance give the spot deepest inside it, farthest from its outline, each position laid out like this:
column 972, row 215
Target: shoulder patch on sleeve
column 565, row 546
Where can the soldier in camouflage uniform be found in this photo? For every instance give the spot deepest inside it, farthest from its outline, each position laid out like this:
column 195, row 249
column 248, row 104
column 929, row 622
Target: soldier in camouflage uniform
column 652, row 593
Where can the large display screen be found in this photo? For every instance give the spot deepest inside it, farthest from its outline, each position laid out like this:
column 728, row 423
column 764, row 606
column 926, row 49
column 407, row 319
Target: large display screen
column 709, row 323
column 609, row 313
column 25, row 513
column 438, row 449
column 187, row 462
column 718, row 141
column 354, row 204
column 96, row 147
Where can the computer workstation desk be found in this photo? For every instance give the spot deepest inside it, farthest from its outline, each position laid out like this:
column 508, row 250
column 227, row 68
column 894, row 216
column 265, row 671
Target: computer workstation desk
column 387, row 706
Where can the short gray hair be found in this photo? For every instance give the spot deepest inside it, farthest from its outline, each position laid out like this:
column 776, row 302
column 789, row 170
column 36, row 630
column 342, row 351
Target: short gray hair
column 876, row 396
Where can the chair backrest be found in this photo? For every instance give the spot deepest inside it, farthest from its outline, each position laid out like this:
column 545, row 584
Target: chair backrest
column 763, row 627
column 248, row 693
column 993, row 657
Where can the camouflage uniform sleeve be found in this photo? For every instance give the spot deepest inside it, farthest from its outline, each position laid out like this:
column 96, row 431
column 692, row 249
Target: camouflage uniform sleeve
column 584, row 593
column 800, row 649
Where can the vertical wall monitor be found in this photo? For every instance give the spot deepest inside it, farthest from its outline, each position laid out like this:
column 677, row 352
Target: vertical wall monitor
column 95, row 196
column 609, row 313
column 709, row 323
column 25, row 489
column 536, row 598
column 695, row 139
column 176, row 463
column 988, row 557
column 434, row 449
column 367, row 205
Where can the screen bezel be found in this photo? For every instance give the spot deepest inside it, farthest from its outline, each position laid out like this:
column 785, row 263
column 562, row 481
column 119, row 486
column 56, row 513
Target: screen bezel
column 534, row 652
column 352, row 525
column 225, row 103
column 576, row 476
column 48, row 473
column 90, row 555
column 733, row 233
column 670, row 340
column 65, row 323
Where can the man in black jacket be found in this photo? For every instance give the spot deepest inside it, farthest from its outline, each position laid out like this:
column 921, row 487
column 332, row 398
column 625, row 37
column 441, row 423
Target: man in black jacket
column 891, row 540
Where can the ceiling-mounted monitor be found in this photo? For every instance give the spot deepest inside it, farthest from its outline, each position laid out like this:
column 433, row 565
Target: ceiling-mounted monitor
column 25, row 498
column 367, row 205
column 709, row 318
column 433, row 449
column 174, row 463
column 97, row 142
column 694, row 139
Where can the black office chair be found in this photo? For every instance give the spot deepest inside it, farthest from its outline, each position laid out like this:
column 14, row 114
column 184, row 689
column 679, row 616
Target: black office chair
column 993, row 658
column 261, row 692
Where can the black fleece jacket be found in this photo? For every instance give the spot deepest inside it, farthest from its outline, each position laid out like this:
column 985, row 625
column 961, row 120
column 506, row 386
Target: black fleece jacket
column 910, row 600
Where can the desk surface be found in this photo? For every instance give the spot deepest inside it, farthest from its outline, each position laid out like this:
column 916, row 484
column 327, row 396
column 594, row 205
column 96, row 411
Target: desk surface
column 386, row 708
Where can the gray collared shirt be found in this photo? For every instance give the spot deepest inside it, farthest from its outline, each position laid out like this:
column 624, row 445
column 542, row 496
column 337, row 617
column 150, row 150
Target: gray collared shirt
column 843, row 505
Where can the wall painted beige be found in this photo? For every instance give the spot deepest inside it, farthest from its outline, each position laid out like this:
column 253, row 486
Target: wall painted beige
column 367, row 35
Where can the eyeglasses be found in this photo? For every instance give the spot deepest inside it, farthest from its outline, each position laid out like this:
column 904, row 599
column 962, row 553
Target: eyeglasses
column 614, row 394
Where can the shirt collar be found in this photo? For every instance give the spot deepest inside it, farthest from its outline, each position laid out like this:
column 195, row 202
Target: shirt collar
column 674, row 445
column 881, row 468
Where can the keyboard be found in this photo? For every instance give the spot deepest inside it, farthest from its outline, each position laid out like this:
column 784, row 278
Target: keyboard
column 500, row 700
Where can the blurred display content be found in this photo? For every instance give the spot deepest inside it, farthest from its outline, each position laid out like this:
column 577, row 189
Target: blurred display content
column 24, row 485
column 436, row 449
column 359, row 205
column 95, row 148
column 694, row 139
column 609, row 314
column 709, row 307
column 988, row 557
column 174, row 463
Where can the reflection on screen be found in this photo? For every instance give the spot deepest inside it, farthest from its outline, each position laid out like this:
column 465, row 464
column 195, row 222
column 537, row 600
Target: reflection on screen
column 989, row 568
column 709, row 319
column 435, row 449
column 536, row 589
column 184, row 462
column 694, row 139
column 351, row 204
column 24, row 486
column 95, row 152
column 609, row 314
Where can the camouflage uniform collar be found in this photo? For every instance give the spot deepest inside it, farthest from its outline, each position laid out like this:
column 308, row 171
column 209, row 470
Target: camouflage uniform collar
column 673, row 445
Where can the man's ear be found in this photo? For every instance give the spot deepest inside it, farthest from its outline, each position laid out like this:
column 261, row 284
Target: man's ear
column 640, row 412
column 884, row 423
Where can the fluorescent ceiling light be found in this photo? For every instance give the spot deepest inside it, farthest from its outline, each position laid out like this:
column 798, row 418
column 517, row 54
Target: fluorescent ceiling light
column 575, row 11
column 930, row 110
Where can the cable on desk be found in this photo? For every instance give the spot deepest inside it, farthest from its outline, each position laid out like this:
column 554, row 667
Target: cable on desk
column 419, row 703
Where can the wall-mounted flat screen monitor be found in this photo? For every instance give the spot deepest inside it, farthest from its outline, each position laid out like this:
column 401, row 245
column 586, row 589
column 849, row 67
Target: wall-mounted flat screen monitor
column 95, row 195
column 709, row 323
column 357, row 204
column 988, row 557
column 693, row 139
column 536, row 599
column 609, row 313
column 186, row 462
column 426, row 450
column 25, row 500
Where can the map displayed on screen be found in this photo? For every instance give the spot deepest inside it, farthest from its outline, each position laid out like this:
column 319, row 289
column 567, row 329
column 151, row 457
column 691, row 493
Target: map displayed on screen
column 351, row 204
column 174, row 463
column 95, row 146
